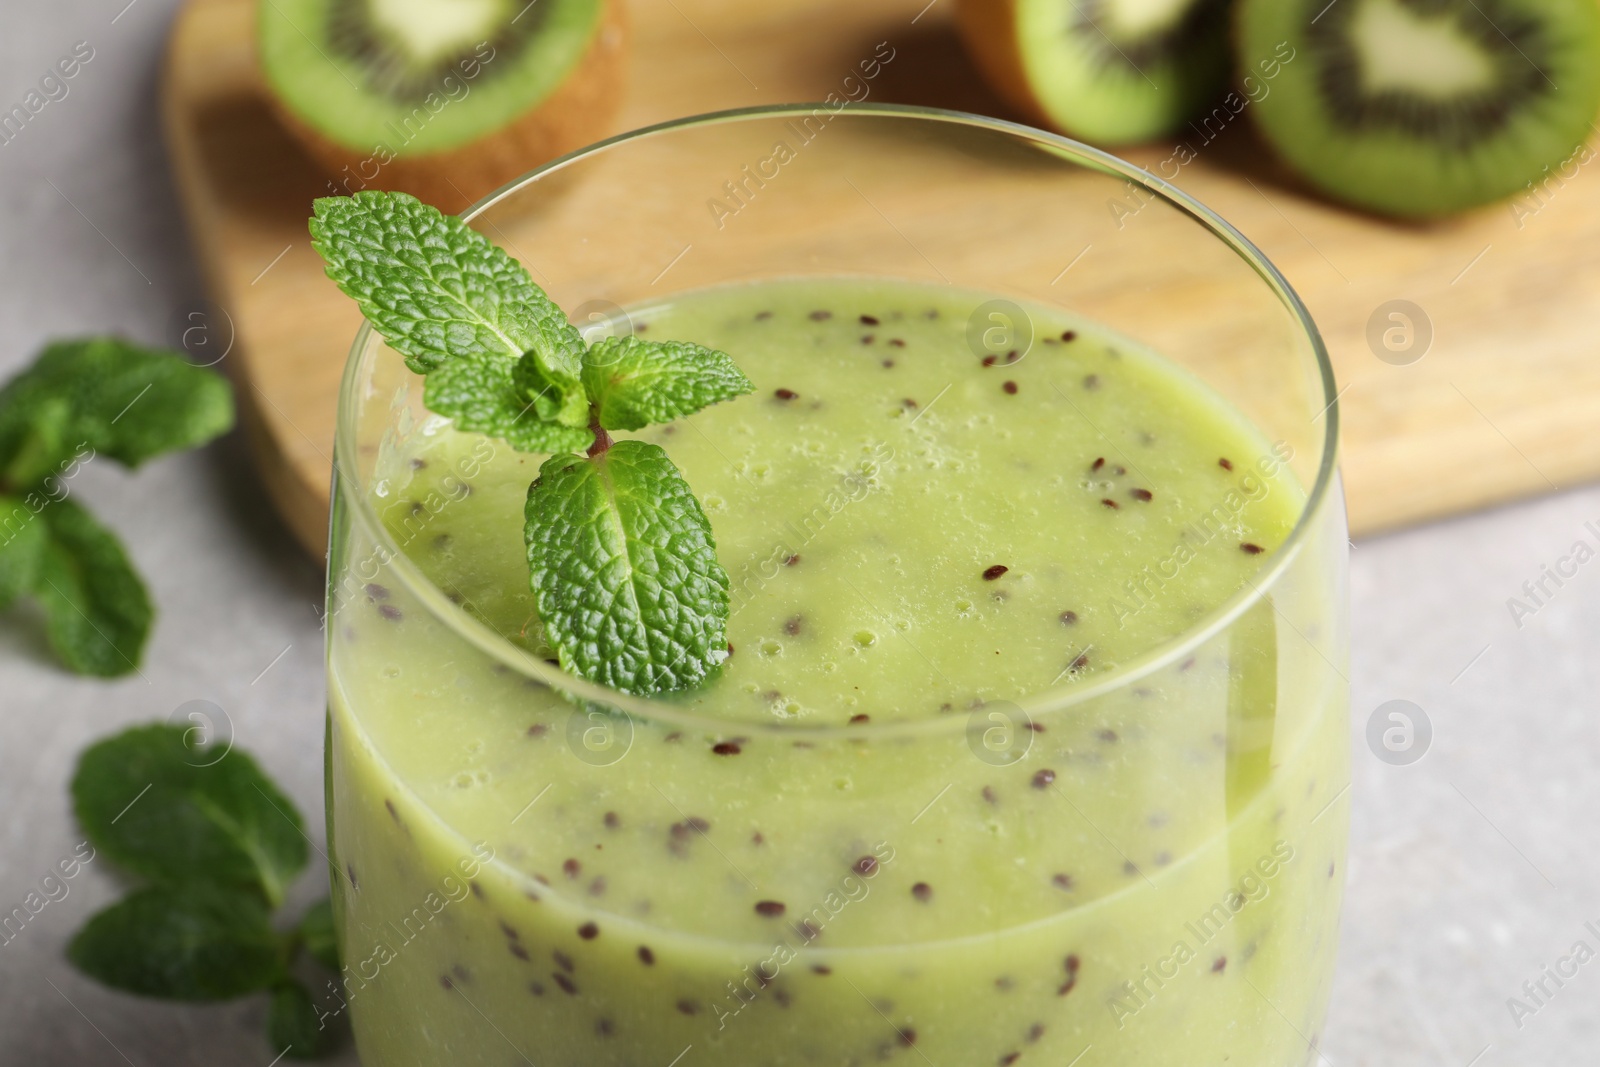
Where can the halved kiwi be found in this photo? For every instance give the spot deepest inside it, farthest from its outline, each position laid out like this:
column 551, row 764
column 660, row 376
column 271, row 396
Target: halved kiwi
column 1425, row 107
column 1110, row 71
column 444, row 99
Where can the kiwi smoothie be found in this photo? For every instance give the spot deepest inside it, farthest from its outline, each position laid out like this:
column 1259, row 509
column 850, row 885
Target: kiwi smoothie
column 886, row 832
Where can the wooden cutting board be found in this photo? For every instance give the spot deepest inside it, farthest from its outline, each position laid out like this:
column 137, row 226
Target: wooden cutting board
column 1504, row 404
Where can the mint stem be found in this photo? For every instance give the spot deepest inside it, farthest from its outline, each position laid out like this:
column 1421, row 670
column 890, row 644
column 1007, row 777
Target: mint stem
column 602, row 440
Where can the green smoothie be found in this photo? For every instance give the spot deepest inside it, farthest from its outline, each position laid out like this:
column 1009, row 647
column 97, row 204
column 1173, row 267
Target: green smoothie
column 884, row 832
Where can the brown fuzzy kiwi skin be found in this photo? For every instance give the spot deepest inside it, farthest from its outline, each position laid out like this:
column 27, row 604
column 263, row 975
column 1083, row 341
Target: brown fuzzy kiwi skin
column 989, row 31
column 578, row 112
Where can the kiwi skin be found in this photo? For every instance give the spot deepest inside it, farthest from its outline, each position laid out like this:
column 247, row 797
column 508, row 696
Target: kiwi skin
column 988, row 29
column 577, row 113
column 1398, row 173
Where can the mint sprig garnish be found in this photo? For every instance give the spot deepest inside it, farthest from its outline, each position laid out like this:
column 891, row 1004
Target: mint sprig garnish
column 622, row 560
column 82, row 400
column 216, row 844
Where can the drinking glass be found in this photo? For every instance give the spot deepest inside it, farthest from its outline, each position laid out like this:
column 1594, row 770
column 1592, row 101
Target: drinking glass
column 1172, row 897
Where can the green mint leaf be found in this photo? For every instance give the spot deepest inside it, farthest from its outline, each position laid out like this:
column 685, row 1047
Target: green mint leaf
column 634, row 382
column 106, row 396
column 191, row 942
column 624, row 570
column 484, row 398
column 143, row 802
column 499, row 354
column 23, row 539
column 294, row 1026
column 316, row 930
column 435, row 288
column 555, row 396
column 98, row 610
column 33, row 435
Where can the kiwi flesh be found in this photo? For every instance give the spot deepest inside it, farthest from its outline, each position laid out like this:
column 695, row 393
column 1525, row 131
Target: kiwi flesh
column 1422, row 108
column 444, row 99
column 1107, row 71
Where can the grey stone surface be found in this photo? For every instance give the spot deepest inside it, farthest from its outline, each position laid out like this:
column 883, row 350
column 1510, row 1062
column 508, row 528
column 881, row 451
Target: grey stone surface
column 1471, row 869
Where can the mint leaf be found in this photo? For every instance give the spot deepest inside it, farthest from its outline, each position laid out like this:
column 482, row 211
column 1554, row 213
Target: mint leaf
column 33, row 436
column 316, row 929
column 625, row 571
column 23, row 538
column 145, row 806
column 98, row 610
column 435, row 288
column 461, row 309
column 192, row 942
column 484, row 398
column 294, row 1026
column 111, row 397
column 555, row 395
column 634, row 382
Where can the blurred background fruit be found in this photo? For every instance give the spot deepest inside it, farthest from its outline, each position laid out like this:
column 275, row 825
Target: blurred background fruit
column 444, row 100
column 1416, row 108
column 1105, row 71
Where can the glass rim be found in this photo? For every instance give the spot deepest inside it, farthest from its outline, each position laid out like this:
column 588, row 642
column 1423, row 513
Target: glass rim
column 1056, row 699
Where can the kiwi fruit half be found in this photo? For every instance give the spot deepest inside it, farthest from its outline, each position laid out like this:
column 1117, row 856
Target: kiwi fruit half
column 1109, row 71
column 1419, row 108
column 444, row 99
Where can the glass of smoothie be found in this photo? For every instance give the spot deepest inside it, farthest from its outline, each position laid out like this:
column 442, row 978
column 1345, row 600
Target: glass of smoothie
column 1030, row 746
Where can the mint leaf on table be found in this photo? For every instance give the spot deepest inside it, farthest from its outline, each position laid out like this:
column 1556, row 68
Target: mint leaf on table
column 634, row 382
column 99, row 396
column 189, row 942
column 625, row 570
column 97, row 607
column 622, row 560
column 157, row 815
column 22, row 548
column 119, row 399
column 218, row 845
column 294, row 1026
column 33, row 437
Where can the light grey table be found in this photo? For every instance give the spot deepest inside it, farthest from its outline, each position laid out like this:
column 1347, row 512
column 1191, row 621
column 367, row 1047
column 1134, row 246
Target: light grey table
column 1471, row 870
